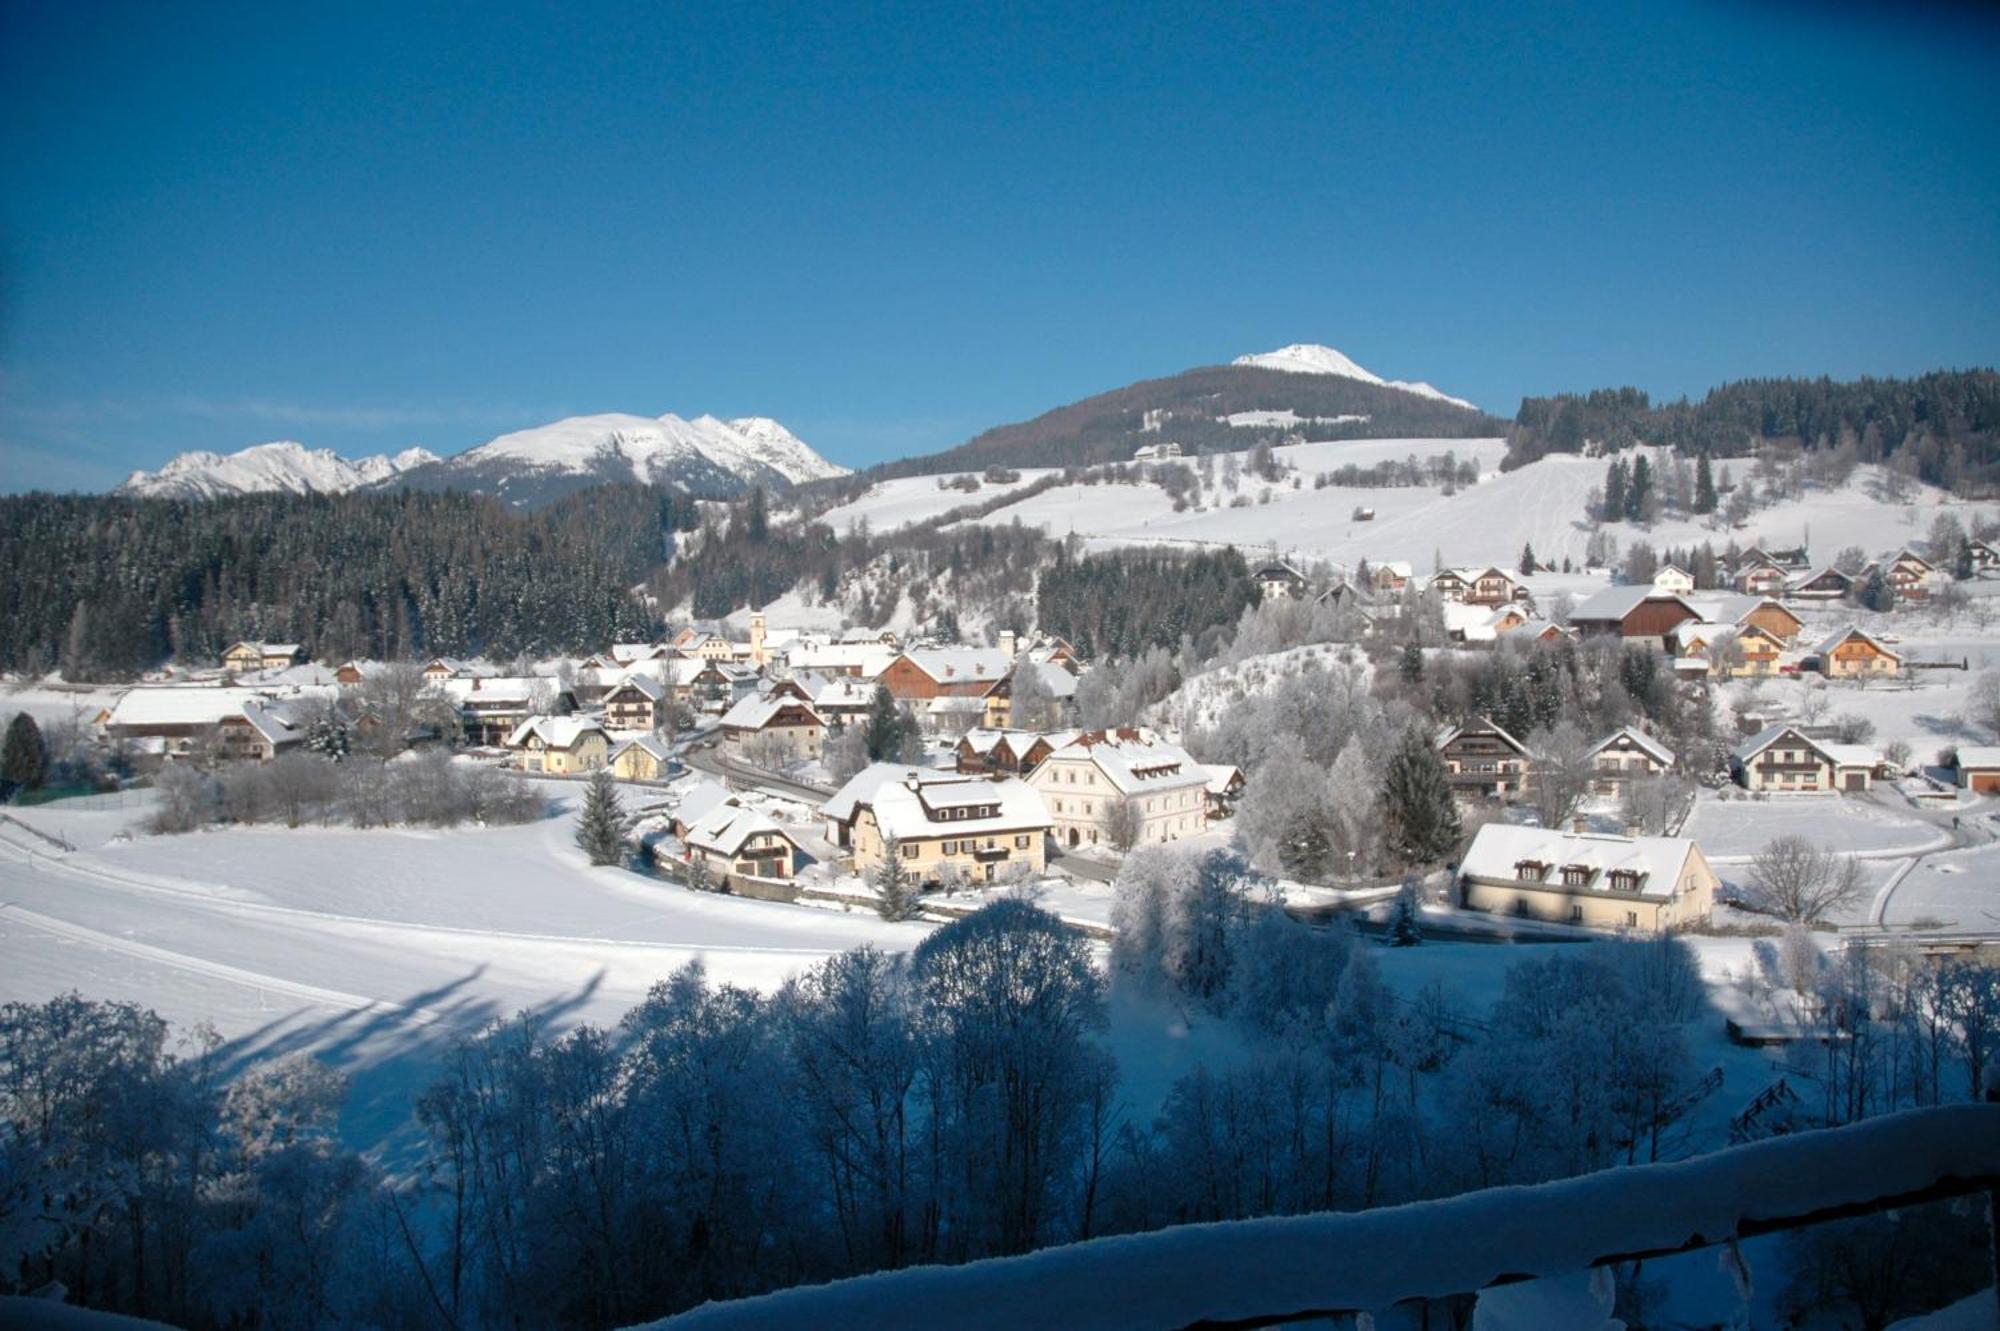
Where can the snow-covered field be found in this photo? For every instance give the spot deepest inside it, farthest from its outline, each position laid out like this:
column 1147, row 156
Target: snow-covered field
column 1731, row 831
column 372, row 948
column 911, row 499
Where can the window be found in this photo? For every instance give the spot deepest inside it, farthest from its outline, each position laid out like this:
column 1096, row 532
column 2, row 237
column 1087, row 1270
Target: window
column 1021, row 842
column 910, row 849
column 1576, row 914
column 951, row 847
column 1576, row 875
column 1631, row 919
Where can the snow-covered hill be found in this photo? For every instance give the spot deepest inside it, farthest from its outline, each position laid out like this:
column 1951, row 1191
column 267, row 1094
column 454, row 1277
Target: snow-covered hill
column 285, row 467
column 1311, row 358
column 707, row 455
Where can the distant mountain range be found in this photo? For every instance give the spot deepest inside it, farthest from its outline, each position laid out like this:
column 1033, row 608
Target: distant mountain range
column 1269, row 396
column 285, row 466
column 528, row 468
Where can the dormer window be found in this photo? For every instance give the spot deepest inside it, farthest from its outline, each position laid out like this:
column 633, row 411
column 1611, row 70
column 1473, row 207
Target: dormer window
column 1625, row 880
column 1529, row 871
column 1577, row 875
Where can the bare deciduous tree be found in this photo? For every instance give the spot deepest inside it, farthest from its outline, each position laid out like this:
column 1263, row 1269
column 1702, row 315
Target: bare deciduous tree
column 1796, row 880
column 1562, row 771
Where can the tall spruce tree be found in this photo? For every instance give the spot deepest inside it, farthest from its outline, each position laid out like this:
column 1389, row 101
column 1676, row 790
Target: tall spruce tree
column 1527, row 565
column 1614, row 491
column 600, row 826
column 1639, row 490
column 1704, row 485
column 24, row 756
column 1420, row 816
column 895, row 895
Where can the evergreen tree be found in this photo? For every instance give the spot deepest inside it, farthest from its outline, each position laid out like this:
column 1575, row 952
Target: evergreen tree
column 24, row 756
column 1614, row 491
column 1406, row 925
column 1876, row 593
column 1412, row 664
column 328, row 738
column 697, row 876
column 1528, row 564
column 885, row 727
column 600, row 827
column 1639, row 490
column 895, row 895
column 1704, row 485
column 1420, row 816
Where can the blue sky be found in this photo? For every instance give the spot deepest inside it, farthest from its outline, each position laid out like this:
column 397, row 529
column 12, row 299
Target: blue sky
column 891, row 226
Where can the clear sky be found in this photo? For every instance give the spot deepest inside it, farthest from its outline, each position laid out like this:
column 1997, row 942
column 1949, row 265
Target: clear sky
column 365, row 226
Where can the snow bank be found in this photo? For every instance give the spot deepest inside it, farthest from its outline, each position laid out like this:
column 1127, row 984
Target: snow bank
column 1371, row 1259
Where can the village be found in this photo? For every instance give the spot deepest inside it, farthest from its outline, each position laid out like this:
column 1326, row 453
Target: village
column 825, row 768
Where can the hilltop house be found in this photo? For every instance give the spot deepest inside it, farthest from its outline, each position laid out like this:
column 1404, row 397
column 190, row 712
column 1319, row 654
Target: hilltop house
column 1982, row 557
column 559, row 745
column 1481, row 759
column 1911, row 576
column 1827, row 584
column 1648, row 884
column 1487, row 586
column 440, row 668
column 1673, row 578
column 1279, row 581
column 1850, row 653
column 939, row 824
column 1225, row 786
column 1760, row 578
column 1632, row 612
column 1105, row 786
column 243, row 657
column 1785, row 758
column 1626, row 753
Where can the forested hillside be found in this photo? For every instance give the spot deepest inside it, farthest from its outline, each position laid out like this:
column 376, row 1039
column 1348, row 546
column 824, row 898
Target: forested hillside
column 108, row 585
column 1109, row 426
column 1121, row 604
column 1949, row 421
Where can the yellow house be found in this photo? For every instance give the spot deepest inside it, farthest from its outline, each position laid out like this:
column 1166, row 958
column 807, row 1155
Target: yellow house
column 1641, row 884
column 643, row 758
column 559, row 745
column 939, row 824
column 1101, row 779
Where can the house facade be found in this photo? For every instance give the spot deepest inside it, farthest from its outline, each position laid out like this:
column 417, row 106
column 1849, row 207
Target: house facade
column 1104, row 784
column 1785, row 759
column 1979, row 768
column 1622, row 884
column 935, row 672
column 634, row 703
column 776, row 727
column 560, row 745
column 642, row 758
column 743, row 847
column 1632, row 612
column 1625, row 754
column 939, row 825
column 1480, row 759
column 1850, row 653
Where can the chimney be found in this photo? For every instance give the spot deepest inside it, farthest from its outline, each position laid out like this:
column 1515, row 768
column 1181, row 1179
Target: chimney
column 1008, row 643
column 1579, row 825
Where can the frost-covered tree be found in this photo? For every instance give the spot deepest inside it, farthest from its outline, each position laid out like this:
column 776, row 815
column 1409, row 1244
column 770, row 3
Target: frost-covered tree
column 600, row 824
column 895, row 894
column 1563, row 771
column 1283, row 816
column 1405, row 917
column 1353, row 808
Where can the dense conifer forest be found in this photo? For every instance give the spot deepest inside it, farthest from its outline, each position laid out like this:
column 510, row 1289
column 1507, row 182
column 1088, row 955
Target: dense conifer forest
column 1948, row 421
column 101, row 585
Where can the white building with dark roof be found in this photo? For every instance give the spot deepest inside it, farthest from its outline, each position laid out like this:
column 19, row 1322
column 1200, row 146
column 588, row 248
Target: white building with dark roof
column 1102, row 778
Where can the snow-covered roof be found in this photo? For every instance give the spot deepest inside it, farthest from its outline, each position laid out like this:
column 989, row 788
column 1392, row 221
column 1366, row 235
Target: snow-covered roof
column 1640, row 739
column 496, row 690
column 1766, row 737
column 725, row 828
column 982, row 740
column 1730, row 608
column 652, row 744
column 1979, row 755
column 932, row 804
column 870, row 657
column 758, row 710
column 1135, row 761
column 1056, row 681
column 1450, row 733
column 1852, row 755
column 650, row 688
column 860, row 788
column 276, row 722
column 1499, row 848
column 179, row 706
column 635, row 651
column 556, row 732
column 1847, row 631
column 1221, row 776
column 953, row 664
column 1614, row 603
column 698, row 798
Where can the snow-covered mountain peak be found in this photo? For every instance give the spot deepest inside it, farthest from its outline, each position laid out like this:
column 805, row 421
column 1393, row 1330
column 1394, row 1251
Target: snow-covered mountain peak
column 1311, row 358
column 284, row 466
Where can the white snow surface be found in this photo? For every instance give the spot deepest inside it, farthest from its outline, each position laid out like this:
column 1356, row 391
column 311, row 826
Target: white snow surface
column 1311, row 358
column 1370, row 1259
column 285, row 466
column 655, row 446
